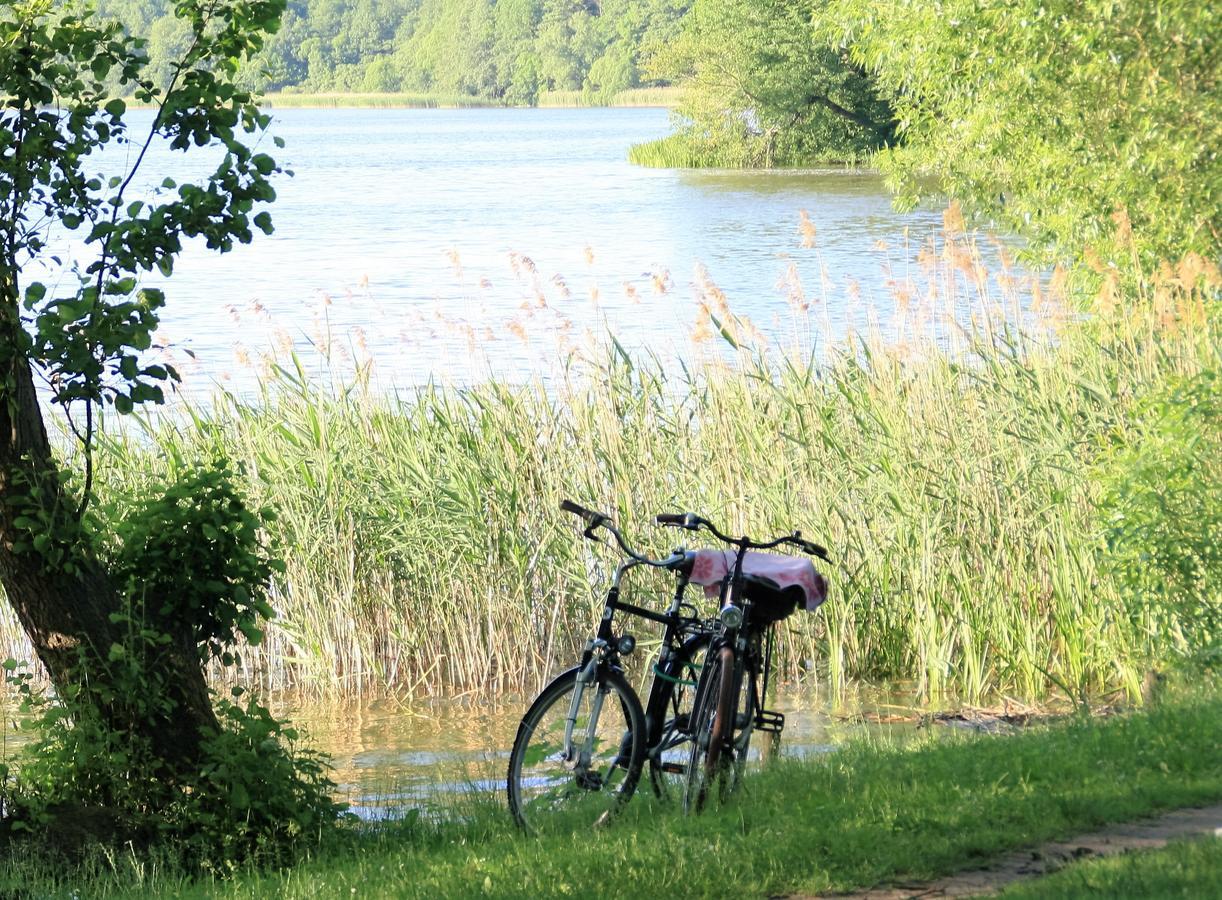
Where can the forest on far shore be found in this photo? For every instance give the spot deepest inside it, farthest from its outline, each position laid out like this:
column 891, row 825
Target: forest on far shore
column 505, row 50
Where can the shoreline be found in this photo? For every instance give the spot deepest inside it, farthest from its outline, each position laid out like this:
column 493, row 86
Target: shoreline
column 633, row 98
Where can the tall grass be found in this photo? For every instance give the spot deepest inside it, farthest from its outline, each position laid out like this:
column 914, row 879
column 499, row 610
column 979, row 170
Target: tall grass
column 414, row 100
column 949, row 469
column 675, row 151
column 667, row 97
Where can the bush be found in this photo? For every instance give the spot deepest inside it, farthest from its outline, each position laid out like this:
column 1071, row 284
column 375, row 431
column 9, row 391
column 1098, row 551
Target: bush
column 1161, row 510
column 194, row 571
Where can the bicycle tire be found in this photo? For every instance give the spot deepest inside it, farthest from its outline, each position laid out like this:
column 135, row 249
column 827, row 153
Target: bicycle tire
column 712, row 723
column 669, row 755
column 545, row 790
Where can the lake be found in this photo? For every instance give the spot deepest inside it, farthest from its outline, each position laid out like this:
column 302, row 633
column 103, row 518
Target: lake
column 390, row 756
column 458, row 244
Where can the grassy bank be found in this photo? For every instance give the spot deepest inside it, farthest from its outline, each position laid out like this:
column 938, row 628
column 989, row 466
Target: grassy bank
column 685, row 150
column 864, row 815
column 963, row 480
column 636, row 97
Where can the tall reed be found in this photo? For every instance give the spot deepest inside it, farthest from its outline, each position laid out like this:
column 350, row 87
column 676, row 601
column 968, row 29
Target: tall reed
column 667, row 97
column 948, row 468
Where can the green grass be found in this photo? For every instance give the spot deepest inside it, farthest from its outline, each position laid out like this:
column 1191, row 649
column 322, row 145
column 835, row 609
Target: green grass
column 675, row 151
column 682, row 150
column 1190, row 869
column 861, row 816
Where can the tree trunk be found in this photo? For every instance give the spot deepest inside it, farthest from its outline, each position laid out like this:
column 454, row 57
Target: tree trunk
column 67, row 615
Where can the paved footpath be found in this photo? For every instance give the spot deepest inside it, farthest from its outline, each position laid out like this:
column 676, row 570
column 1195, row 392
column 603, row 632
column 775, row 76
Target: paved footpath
column 1148, row 834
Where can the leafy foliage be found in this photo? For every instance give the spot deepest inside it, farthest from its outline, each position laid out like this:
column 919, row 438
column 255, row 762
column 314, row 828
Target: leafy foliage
column 191, row 556
column 198, row 525
column 508, row 50
column 761, row 89
column 87, row 333
column 1047, row 115
column 1162, row 509
column 130, row 748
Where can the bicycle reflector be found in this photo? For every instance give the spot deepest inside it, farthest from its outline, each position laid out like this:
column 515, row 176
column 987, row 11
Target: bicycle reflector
column 626, row 644
column 731, row 616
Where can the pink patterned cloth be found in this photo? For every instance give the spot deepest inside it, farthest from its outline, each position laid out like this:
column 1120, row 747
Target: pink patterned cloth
column 710, row 568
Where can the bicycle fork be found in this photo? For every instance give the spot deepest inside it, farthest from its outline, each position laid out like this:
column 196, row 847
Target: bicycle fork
column 578, row 759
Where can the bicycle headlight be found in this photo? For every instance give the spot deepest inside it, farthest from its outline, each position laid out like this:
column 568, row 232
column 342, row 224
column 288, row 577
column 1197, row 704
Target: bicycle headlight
column 731, row 616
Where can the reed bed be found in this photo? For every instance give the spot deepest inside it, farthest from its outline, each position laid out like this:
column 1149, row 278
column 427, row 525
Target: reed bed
column 949, row 467
column 667, row 97
column 676, row 151
column 340, row 100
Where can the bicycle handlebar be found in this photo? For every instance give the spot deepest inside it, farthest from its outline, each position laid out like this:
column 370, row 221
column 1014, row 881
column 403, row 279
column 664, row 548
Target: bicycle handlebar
column 676, row 520
column 693, row 522
column 595, row 520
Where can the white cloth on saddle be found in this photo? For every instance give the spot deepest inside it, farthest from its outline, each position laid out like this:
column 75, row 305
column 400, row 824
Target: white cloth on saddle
column 710, row 568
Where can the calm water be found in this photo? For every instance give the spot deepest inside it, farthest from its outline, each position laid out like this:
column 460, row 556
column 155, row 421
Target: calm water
column 389, row 757
column 455, row 243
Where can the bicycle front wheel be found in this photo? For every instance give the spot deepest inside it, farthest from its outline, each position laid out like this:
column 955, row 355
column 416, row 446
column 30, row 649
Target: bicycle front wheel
column 711, row 760
column 578, row 754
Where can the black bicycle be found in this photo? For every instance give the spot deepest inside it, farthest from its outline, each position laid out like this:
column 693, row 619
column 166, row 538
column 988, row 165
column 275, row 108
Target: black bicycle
column 583, row 744
column 755, row 592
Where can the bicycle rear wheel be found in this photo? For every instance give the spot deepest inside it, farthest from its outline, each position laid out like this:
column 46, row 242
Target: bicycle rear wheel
column 677, row 679
column 584, row 781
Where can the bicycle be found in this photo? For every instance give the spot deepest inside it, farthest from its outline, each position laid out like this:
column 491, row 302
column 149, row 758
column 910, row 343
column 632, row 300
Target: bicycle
column 578, row 756
column 728, row 702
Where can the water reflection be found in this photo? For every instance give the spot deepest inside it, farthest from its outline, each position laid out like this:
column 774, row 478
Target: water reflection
column 391, row 756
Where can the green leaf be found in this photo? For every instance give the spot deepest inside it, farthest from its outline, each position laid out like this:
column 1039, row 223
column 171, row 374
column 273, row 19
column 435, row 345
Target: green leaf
column 34, row 294
column 116, row 108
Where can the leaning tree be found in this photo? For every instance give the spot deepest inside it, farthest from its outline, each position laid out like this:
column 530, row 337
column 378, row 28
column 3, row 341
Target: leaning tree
column 75, row 329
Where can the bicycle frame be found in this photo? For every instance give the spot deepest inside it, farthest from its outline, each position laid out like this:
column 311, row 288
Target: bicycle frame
column 605, row 649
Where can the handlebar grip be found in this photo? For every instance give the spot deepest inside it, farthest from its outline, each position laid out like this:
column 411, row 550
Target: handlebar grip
column 813, row 549
column 592, row 519
column 675, row 520
column 690, row 521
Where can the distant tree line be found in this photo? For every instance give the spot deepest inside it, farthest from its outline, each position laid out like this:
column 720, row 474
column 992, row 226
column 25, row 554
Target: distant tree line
column 507, row 50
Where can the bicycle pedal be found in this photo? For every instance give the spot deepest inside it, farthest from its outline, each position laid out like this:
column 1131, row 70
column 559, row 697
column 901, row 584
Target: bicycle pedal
column 770, row 720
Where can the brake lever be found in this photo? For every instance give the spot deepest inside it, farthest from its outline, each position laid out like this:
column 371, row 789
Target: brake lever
column 596, row 521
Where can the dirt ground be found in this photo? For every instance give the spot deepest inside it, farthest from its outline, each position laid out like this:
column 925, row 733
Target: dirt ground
column 1148, row 834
